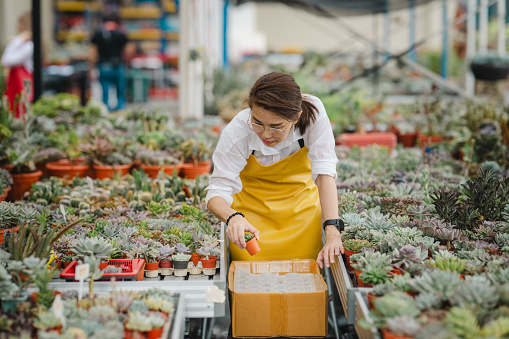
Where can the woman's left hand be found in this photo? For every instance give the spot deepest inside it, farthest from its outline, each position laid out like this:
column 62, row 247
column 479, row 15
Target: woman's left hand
column 333, row 247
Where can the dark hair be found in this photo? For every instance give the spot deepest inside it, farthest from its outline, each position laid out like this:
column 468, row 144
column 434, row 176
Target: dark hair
column 111, row 16
column 278, row 93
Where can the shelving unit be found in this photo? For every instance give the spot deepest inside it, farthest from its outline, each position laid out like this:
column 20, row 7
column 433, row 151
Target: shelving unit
column 152, row 25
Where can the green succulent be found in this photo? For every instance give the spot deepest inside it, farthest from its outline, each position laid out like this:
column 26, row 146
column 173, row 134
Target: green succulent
column 46, row 321
column 97, row 247
column 405, row 326
column 382, row 289
column 451, row 264
column 356, row 244
column 443, row 282
column 474, row 294
column 428, row 301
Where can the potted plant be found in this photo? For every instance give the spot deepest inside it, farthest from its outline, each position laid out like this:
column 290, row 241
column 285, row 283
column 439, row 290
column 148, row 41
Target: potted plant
column 490, row 66
column 24, row 173
column 407, row 133
column 48, row 321
column 42, row 277
column 165, row 263
column 11, row 293
column 196, row 158
column 107, row 158
column 208, row 264
column 401, row 327
column 153, row 162
column 5, row 184
column 152, row 259
column 354, row 246
column 379, row 291
column 45, row 156
column 252, row 245
column 181, row 260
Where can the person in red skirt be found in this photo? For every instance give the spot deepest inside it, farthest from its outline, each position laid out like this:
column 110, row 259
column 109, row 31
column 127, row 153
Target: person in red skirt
column 19, row 57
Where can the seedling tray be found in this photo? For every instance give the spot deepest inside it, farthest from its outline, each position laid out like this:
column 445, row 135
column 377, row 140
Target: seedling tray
column 131, row 268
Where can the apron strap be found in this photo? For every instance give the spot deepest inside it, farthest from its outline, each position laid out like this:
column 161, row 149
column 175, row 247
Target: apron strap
column 301, row 144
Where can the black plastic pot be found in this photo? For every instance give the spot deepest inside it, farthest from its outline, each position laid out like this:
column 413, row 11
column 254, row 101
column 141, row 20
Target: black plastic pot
column 180, row 265
column 490, row 72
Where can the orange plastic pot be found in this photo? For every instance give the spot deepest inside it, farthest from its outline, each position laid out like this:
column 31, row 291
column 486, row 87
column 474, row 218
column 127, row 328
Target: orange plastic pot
column 389, row 335
column 371, row 299
column 165, row 263
column 364, row 139
column 211, row 263
column 153, row 171
column 155, row 334
column 142, row 273
column 4, row 195
column 128, row 334
column 66, row 169
column 408, row 140
column 106, row 172
column 396, row 272
column 191, row 171
column 152, row 266
column 195, row 258
column 103, row 265
column 41, row 166
column 349, row 267
column 357, row 273
column 22, row 183
column 427, row 140
column 252, row 246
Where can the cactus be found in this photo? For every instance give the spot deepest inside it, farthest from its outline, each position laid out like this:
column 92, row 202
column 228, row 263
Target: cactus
column 181, row 197
column 146, row 197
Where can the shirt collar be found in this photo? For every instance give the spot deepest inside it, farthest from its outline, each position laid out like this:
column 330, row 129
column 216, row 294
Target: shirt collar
column 257, row 144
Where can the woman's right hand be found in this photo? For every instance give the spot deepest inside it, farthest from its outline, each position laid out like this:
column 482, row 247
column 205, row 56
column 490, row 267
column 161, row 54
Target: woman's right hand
column 236, row 228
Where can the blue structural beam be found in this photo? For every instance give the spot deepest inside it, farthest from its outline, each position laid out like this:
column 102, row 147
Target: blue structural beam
column 445, row 41
column 226, row 62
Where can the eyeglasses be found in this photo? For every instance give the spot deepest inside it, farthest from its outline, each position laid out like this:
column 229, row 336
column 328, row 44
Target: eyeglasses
column 258, row 129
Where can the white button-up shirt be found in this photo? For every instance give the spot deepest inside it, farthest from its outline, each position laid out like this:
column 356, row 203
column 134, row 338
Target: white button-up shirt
column 238, row 141
column 19, row 52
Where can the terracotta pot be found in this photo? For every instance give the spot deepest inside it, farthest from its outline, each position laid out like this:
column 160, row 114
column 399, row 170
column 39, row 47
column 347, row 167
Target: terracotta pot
column 153, row 171
column 7, row 167
column 408, row 140
column 103, row 265
column 191, row 171
column 152, row 266
column 211, row 263
column 142, row 274
column 364, row 139
column 35, row 296
column 427, row 140
column 195, row 258
column 65, row 264
column 155, row 334
column 41, row 166
column 128, row 334
column 22, row 183
column 4, row 195
column 66, row 169
column 357, row 273
column 349, row 267
column 462, row 276
column 396, row 272
column 371, row 299
column 106, row 172
column 389, row 335
column 252, row 246
column 165, row 263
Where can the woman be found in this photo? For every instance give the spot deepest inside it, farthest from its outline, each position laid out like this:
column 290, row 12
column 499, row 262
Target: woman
column 274, row 175
column 19, row 57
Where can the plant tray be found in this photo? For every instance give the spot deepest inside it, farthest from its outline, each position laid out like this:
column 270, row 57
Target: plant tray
column 131, row 268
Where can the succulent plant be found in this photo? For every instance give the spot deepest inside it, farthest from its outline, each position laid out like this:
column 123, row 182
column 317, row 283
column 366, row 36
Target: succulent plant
column 429, row 301
column 138, row 322
column 375, row 274
column 462, row 322
column 5, row 180
column 396, row 304
column 500, row 277
column 435, row 332
column 408, row 259
column 445, row 260
column 502, row 239
column 46, row 321
column 356, row 244
column 139, row 306
column 371, row 258
column 352, row 219
column 181, row 257
column 403, row 326
column 405, row 232
column 95, row 246
column 382, row 289
column 474, row 295
column 378, row 221
column 443, row 282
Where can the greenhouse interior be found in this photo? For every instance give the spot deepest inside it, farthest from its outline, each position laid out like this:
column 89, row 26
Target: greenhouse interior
column 152, row 159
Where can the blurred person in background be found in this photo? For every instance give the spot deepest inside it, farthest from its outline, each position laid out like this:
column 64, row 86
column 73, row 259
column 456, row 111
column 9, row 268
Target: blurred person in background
column 18, row 56
column 110, row 48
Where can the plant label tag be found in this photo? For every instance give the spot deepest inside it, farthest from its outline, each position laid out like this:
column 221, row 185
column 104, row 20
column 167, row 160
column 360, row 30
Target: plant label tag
column 58, row 308
column 82, row 271
column 90, row 182
column 62, row 209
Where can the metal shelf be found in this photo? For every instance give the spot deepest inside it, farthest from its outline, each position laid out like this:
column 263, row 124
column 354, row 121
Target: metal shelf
column 353, row 300
column 193, row 289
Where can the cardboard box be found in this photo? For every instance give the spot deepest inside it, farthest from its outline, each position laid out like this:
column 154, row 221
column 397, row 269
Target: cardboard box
column 279, row 314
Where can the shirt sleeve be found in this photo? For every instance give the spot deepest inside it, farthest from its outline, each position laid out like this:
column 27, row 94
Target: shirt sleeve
column 321, row 143
column 17, row 52
column 229, row 158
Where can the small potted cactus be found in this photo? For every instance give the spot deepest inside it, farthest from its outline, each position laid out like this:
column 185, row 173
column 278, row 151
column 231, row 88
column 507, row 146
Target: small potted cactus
column 252, row 245
column 47, row 321
column 180, row 263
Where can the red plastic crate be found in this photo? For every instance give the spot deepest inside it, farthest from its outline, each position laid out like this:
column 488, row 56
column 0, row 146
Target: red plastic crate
column 364, row 139
column 131, row 268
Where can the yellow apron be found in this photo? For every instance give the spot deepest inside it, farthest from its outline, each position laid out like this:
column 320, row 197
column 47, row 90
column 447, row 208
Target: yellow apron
column 282, row 202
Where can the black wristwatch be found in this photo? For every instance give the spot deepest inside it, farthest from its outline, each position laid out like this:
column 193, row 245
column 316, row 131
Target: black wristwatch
column 338, row 222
